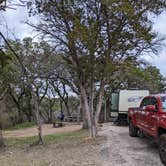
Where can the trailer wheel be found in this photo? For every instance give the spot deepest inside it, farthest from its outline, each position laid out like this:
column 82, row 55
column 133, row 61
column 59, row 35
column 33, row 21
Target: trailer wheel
column 162, row 148
column 132, row 129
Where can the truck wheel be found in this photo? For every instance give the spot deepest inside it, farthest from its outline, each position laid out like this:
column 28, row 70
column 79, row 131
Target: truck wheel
column 132, row 129
column 162, row 148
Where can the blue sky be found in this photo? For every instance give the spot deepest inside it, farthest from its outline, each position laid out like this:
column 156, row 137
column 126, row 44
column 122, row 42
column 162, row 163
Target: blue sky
column 14, row 18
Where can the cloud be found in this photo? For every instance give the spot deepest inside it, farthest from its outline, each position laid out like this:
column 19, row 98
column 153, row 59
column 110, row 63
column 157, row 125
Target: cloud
column 160, row 23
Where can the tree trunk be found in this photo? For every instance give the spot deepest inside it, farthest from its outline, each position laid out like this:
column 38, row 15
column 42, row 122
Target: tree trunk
column 40, row 141
column 85, row 119
column 50, row 115
column 83, row 114
column 50, row 112
column 85, row 122
column 67, row 108
column 20, row 115
column 61, row 106
column 89, row 114
column 99, row 102
column 2, row 144
column 29, row 116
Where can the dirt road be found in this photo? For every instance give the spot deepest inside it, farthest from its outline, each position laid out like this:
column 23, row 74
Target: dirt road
column 46, row 128
column 115, row 149
column 122, row 150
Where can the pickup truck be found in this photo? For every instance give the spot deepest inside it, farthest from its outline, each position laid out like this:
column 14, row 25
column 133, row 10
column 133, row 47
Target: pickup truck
column 150, row 119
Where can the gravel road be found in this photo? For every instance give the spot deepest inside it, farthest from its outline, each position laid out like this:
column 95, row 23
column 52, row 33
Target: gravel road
column 122, row 150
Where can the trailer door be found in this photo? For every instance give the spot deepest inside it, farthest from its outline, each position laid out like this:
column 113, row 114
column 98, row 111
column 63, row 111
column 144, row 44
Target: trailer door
column 114, row 104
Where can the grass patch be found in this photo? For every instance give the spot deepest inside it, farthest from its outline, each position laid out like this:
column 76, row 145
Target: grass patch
column 48, row 139
column 21, row 126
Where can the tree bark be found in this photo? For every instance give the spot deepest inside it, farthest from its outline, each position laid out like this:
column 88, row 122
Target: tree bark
column 67, row 108
column 18, row 104
column 50, row 115
column 29, row 114
column 2, row 144
column 38, row 119
column 89, row 114
column 100, row 101
column 85, row 120
column 61, row 105
column 20, row 115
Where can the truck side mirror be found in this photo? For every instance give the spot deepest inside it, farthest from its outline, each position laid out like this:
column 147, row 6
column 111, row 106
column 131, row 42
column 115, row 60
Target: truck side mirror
column 150, row 108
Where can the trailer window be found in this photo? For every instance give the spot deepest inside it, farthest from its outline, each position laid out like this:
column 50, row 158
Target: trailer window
column 163, row 100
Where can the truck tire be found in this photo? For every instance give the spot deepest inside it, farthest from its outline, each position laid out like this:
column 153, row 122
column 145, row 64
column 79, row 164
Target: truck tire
column 132, row 129
column 162, row 148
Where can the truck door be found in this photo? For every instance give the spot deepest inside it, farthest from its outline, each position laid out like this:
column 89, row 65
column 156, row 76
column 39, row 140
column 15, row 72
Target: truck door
column 151, row 117
column 141, row 116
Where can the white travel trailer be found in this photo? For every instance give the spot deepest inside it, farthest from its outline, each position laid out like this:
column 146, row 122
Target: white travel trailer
column 122, row 100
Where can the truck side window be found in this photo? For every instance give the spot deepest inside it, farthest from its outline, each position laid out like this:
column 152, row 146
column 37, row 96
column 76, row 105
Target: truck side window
column 145, row 102
column 163, row 100
column 154, row 102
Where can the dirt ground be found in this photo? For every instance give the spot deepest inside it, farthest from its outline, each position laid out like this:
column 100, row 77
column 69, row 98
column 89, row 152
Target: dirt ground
column 122, row 150
column 47, row 129
column 116, row 149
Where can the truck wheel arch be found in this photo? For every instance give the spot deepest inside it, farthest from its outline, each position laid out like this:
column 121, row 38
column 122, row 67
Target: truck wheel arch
column 129, row 119
column 133, row 131
column 161, row 131
column 162, row 148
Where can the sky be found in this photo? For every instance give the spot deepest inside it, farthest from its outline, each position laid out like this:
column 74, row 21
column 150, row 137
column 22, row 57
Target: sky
column 160, row 27
column 17, row 29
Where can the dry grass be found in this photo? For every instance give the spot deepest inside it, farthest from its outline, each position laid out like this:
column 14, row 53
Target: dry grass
column 67, row 149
